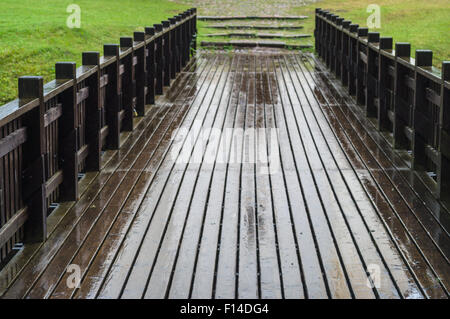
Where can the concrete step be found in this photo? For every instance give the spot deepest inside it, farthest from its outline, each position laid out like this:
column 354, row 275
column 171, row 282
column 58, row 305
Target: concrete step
column 224, row 18
column 252, row 44
column 259, row 35
column 257, row 27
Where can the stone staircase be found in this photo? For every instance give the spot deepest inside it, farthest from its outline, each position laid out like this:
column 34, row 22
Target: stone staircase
column 282, row 31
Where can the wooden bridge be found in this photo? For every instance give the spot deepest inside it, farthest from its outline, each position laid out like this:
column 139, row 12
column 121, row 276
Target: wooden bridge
column 158, row 171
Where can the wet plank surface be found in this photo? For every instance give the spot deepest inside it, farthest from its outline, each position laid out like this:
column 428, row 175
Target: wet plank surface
column 255, row 176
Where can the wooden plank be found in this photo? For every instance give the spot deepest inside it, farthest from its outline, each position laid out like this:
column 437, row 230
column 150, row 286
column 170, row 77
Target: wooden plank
column 249, row 266
column 52, row 114
column 271, row 281
column 165, row 192
column 203, row 283
column 227, row 266
column 159, row 283
column 354, row 212
column 12, row 141
column 200, row 235
column 10, row 228
column 352, row 265
column 288, row 223
column 104, row 80
column 83, row 153
column 82, row 95
column 53, row 182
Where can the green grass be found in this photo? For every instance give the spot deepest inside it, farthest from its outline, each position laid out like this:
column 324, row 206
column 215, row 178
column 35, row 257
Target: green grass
column 34, row 35
column 425, row 24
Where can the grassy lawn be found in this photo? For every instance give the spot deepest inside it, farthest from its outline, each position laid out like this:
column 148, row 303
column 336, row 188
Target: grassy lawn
column 34, row 35
column 425, row 24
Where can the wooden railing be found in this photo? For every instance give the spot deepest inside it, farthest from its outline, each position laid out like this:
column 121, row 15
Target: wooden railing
column 407, row 97
column 54, row 132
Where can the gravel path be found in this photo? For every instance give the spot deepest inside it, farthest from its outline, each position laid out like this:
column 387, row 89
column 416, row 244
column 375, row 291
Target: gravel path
column 243, row 7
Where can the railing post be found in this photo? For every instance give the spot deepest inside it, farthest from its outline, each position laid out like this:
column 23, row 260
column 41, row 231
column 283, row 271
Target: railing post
column 32, row 87
column 68, row 135
column 372, row 79
column 173, row 48
column 401, row 50
column 178, row 44
column 140, row 74
column 150, row 64
column 384, row 100
column 194, row 28
column 128, row 84
column 317, row 31
column 361, row 75
column 352, row 66
column 424, row 58
column 93, row 112
column 159, row 60
column 338, row 42
column 345, row 52
column 167, row 53
column 443, row 173
column 112, row 97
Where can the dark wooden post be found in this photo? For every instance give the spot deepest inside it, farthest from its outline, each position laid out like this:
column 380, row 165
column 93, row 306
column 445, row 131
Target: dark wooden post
column 338, row 53
column 113, row 95
column 173, row 48
column 424, row 58
column 443, row 173
column 167, row 53
column 371, row 94
column 194, row 29
column 184, row 40
column 317, row 31
column 93, row 112
column 385, row 97
column 128, row 84
column 352, row 67
column 178, row 44
column 68, row 131
column 140, row 74
column 32, row 87
column 361, row 62
column 150, row 64
column 159, row 60
column 345, row 52
column 400, row 140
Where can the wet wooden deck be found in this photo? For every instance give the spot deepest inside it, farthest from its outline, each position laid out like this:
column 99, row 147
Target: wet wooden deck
column 336, row 205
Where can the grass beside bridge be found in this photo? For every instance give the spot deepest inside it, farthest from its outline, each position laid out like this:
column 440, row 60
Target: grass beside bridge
column 34, row 35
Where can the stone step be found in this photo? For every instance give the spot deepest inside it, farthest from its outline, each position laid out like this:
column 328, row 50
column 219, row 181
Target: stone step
column 223, row 18
column 256, row 27
column 252, row 44
column 259, row 35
